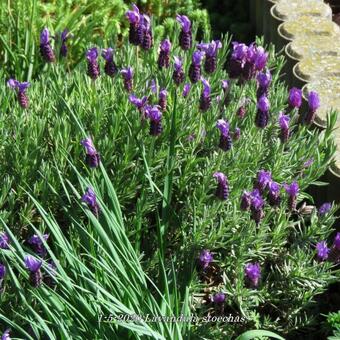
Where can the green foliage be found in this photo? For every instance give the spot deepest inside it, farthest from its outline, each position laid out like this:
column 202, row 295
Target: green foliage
column 91, row 22
column 158, row 204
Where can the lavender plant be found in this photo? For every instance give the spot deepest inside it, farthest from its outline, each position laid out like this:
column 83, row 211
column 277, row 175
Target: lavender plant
column 189, row 228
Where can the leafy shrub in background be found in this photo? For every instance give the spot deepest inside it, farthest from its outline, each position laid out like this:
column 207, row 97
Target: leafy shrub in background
column 140, row 255
column 95, row 21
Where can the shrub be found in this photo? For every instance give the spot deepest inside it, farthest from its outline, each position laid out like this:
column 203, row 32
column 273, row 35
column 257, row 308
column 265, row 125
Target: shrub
column 136, row 249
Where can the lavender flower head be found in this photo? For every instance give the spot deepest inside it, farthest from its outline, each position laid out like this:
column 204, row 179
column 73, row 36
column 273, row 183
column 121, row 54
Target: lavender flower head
column 313, row 105
column 322, row 250
column 147, row 41
column 205, row 258
column 295, row 98
column 140, row 104
column 178, row 74
column 90, row 199
column 324, row 209
column 164, row 54
column 92, row 156
column 162, row 99
column 21, row 91
column 127, row 74
column 37, row 244
column 252, row 272
column 93, row 70
column 155, row 116
column 136, row 29
column 256, row 206
column 2, row 272
column 5, row 335
column 185, row 37
column 186, row 90
column 264, row 79
column 34, row 265
column 219, row 298
column 195, row 67
column 246, row 200
column 261, row 58
column 237, row 60
column 4, row 241
column 110, row 67
column 153, row 86
column 262, row 114
column 292, row 190
column 45, row 46
column 225, row 138
column 284, row 126
column 274, row 193
column 222, row 191
column 237, row 133
column 211, row 55
column 263, row 180
column 205, row 99
column 64, row 36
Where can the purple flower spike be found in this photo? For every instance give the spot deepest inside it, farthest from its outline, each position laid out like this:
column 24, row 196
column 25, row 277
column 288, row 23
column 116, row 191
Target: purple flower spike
column 64, row 36
column 155, row 116
column 136, row 25
column 186, row 90
column 252, row 272
column 292, row 190
column 262, row 114
column 225, row 138
column 90, row 199
column 92, row 156
column 93, row 70
column 245, row 200
column 324, row 209
column 205, row 258
column 185, row 37
column 222, row 191
column 2, row 272
column 219, row 298
column 4, row 241
column 127, row 74
column 237, row 60
column 147, row 41
column 140, row 104
column 263, row 180
column 284, row 126
column 322, row 250
column 295, row 98
column 164, row 54
column 37, row 244
column 34, row 265
column 195, row 67
column 263, row 79
column 274, row 193
column 205, row 99
column 237, row 133
column 313, row 105
column 21, row 91
column 162, row 99
column 5, row 335
column 110, row 67
column 178, row 74
column 225, row 85
column 256, row 206
column 45, row 46
column 261, row 58
column 211, row 55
